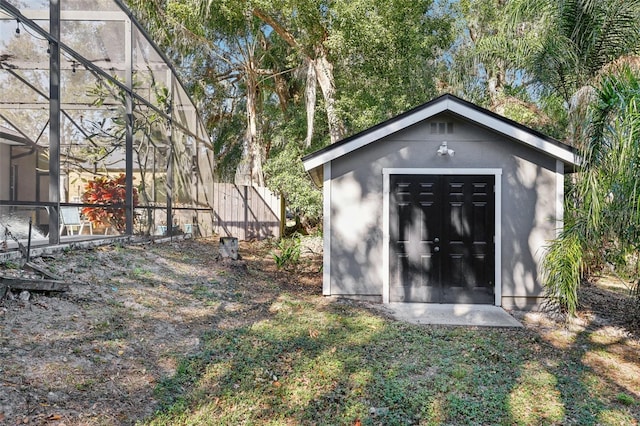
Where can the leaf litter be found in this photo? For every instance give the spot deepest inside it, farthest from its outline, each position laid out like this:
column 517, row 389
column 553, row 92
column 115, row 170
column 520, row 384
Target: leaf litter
column 95, row 354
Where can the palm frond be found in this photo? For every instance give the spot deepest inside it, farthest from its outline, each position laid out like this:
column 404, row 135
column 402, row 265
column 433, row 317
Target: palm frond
column 563, row 266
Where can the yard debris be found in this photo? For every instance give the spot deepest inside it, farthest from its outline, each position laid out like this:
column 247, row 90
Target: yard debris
column 27, row 285
column 45, row 273
column 33, row 278
column 8, row 234
column 33, row 284
column 24, row 296
column 53, row 417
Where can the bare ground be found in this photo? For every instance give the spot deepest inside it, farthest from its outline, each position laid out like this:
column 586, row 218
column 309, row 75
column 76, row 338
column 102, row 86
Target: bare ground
column 93, row 355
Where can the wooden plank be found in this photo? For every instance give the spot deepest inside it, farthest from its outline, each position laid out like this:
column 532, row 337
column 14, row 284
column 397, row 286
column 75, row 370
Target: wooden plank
column 35, row 268
column 34, row 284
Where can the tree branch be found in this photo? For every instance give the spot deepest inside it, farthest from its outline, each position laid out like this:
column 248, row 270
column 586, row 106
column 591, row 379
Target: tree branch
column 277, row 27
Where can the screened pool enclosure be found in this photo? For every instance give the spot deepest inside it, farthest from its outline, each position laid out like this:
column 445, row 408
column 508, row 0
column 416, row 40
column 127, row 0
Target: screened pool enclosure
column 97, row 133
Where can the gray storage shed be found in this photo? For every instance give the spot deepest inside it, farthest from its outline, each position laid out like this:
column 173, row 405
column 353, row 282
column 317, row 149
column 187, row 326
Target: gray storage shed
column 446, row 203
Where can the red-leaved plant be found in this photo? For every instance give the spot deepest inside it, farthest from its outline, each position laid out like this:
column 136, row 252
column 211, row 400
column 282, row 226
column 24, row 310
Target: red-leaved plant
column 105, row 190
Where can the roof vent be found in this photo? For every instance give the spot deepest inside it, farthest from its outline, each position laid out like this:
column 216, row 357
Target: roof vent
column 441, row 128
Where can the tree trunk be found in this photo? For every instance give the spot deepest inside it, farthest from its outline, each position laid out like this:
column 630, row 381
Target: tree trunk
column 310, row 100
column 249, row 171
column 495, row 85
column 324, row 75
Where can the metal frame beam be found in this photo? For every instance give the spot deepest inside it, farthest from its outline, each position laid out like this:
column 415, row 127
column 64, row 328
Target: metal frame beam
column 128, row 55
column 54, row 122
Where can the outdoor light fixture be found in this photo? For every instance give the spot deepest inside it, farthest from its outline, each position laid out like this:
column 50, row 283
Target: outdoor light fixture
column 17, row 28
column 444, row 150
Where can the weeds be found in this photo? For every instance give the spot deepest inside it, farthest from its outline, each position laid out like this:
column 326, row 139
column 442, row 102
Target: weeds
column 9, row 264
column 625, row 399
column 289, row 250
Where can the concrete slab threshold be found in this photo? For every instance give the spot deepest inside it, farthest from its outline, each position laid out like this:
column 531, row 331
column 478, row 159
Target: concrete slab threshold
column 452, row 314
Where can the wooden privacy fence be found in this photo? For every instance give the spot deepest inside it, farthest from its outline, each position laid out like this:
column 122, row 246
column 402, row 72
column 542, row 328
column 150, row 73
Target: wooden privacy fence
column 246, row 212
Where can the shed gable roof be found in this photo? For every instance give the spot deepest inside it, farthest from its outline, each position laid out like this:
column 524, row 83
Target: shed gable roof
column 454, row 105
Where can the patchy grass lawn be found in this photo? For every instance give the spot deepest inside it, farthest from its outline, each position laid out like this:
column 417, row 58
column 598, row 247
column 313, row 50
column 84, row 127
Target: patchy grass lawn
column 341, row 364
column 199, row 342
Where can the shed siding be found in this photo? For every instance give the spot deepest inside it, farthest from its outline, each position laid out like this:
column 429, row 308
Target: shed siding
column 528, row 204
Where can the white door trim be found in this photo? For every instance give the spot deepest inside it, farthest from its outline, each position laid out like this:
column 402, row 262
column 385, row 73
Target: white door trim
column 326, row 226
column 497, row 173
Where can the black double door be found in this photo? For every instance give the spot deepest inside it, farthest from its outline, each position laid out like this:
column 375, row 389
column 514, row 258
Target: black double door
column 441, row 232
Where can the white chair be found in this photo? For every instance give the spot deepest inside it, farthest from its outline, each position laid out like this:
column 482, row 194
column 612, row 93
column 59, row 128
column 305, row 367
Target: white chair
column 70, row 219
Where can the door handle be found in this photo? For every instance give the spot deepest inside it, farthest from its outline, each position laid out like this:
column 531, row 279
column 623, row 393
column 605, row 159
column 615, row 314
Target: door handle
column 436, row 249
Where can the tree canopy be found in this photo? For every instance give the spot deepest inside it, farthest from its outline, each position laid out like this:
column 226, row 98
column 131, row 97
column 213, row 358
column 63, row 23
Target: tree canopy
column 256, row 67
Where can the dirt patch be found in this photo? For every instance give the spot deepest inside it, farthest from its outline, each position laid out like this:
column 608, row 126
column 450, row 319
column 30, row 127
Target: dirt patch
column 608, row 299
column 94, row 355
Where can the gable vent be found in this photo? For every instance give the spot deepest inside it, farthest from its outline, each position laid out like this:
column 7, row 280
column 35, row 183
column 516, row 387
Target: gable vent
column 441, row 127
